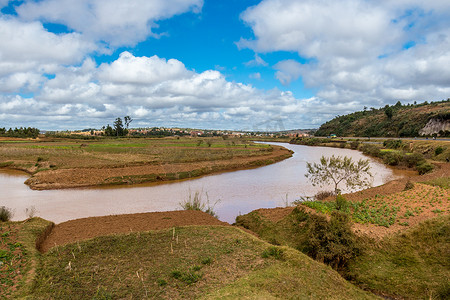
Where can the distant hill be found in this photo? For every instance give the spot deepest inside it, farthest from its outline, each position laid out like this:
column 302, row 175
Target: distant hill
column 393, row 121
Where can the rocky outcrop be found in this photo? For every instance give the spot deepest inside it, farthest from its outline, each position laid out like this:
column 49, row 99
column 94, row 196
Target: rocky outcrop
column 434, row 126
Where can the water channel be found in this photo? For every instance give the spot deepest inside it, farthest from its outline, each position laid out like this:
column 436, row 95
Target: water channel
column 233, row 193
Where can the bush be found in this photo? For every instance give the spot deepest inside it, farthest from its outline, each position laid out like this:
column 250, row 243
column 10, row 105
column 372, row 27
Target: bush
column 323, row 195
column 354, row 145
column 414, row 159
column 394, row 144
column 392, row 158
column 371, row 150
column 408, row 186
column 5, row 214
column 438, row 150
column 342, row 203
column 424, row 168
column 332, row 242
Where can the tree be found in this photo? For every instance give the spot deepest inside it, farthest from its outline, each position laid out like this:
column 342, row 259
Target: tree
column 127, row 120
column 389, row 112
column 337, row 170
column 109, row 131
column 118, row 127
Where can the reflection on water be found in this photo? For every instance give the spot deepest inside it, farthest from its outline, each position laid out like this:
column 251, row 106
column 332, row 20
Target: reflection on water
column 237, row 192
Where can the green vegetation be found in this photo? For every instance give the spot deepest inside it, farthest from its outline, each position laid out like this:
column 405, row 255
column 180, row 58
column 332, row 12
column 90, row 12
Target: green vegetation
column 197, row 203
column 18, row 256
column 21, row 132
column 390, row 121
column 331, row 241
column 155, row 265
column 443, row 182
column 414, row 264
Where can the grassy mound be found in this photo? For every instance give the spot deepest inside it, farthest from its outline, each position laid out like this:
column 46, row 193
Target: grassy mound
column 188, row 262
column 18, row 255
column 414, row 264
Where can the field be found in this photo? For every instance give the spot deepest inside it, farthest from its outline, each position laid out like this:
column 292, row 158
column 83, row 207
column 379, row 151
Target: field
column 65, row 163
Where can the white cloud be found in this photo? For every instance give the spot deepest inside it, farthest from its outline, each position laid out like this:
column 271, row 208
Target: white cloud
column 288, row 70
column 256, row 75
column 258, row 61
column 30, row 42
column 356, row 47
column 92, row 94
column 116, row 22
column 348, row 28
column 141, row 70
column 29, row 51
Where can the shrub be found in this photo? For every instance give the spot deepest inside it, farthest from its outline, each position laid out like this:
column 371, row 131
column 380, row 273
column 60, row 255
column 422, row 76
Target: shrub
column 392, row 158
column 408, row 186
column 424, row 168
column 414, row 159
column 331, row 242
column 323, row 195
column 342, row 203
column 394, row 144
column 354, row 145
column 5, row 214
column 438, row 150
column 371, row 150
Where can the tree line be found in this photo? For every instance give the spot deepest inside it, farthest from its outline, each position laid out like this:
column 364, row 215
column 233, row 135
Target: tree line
column 22, row 132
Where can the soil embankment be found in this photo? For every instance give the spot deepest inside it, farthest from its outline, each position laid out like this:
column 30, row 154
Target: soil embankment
column 421, row 199
column 87, row 177
column 87, row 228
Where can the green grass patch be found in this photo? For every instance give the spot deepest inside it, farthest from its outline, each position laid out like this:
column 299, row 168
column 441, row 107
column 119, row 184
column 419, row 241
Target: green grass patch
column 18, row 256
column 413, row 265
column 443, row 182
column 361, row 211
column 157, row 265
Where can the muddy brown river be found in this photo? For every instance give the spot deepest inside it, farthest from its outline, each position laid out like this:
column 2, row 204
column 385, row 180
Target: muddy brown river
column 233, row 193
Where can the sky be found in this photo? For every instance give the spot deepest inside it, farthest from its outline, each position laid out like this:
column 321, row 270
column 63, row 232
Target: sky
column 217, row 64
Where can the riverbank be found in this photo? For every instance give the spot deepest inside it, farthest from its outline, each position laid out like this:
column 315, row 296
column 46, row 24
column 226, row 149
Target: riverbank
column 62, row 164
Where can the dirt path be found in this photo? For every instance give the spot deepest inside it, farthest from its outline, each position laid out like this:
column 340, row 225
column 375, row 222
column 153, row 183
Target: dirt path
column 87, row 228
column 86, row 177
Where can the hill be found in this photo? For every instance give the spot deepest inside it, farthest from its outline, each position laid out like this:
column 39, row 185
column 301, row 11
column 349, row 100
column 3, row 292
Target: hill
column 393, row 121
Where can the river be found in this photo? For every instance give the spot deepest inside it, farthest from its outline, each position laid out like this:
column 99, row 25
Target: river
column 233, row 193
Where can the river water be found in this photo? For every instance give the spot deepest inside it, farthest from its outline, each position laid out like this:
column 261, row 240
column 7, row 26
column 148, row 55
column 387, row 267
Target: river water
column 233, row 193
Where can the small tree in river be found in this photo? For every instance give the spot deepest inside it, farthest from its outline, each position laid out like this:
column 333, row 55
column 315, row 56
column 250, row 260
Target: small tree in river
column 340, row 170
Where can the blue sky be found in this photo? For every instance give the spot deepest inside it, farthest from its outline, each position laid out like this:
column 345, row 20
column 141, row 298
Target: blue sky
column 235, row 64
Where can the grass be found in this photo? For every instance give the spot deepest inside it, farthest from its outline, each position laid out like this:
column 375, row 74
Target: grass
column 18, row 256
column 209, row 262
column 387, row 210
column 414, row 264
column 197, row 203
column 443, row 182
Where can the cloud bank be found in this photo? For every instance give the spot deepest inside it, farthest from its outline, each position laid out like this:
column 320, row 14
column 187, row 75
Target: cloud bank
column 374, row 52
